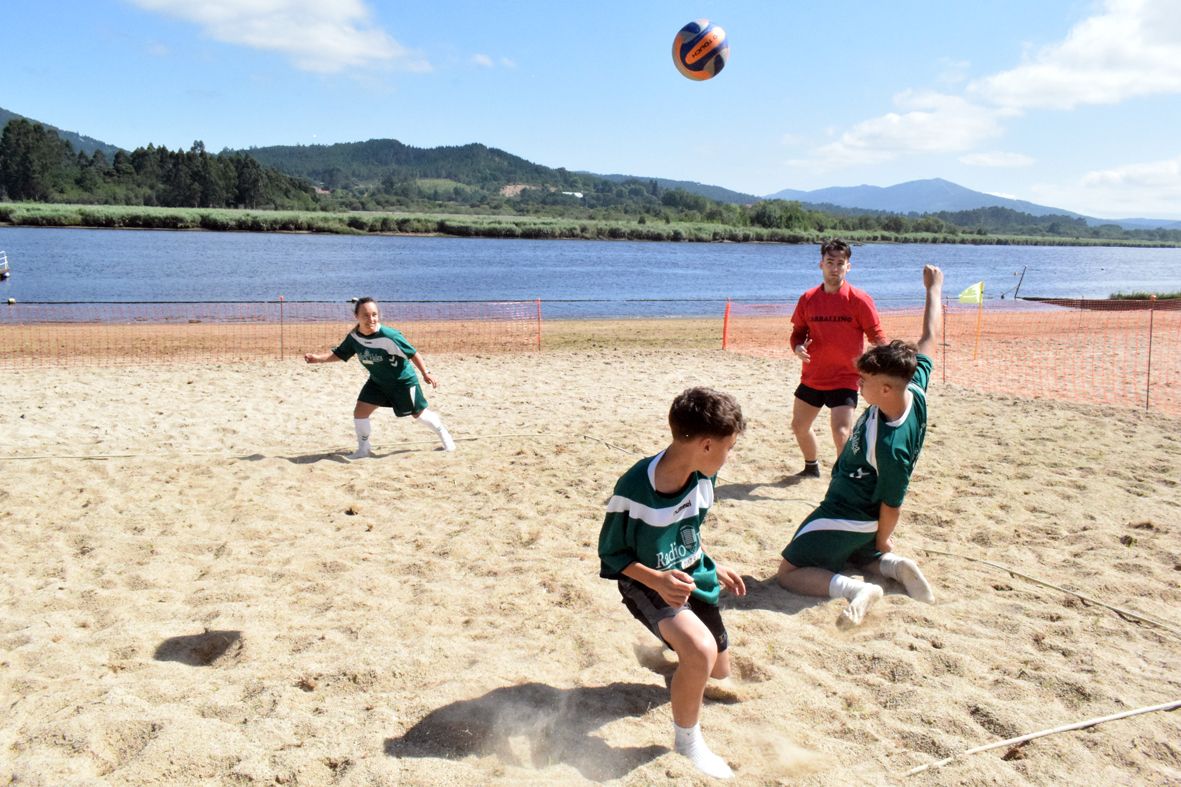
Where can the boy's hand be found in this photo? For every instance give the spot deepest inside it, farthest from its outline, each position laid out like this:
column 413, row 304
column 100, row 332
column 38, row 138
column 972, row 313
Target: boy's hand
column 885, row 544
column 674, row 587
column 802, row 351
column 732, row 581
column 932, row 276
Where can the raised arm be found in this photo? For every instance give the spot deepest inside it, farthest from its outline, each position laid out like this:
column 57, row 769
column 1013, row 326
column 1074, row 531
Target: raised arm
column 932, row 310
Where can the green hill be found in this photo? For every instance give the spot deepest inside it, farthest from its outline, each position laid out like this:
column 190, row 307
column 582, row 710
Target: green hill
column 716, row 193
column 384, row 163
column 79, row 142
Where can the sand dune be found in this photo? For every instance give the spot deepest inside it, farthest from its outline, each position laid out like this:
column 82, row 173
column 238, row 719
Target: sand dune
column 199, row 588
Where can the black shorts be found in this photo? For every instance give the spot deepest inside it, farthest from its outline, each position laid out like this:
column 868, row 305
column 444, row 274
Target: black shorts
column 649, row 608
column 837, row 397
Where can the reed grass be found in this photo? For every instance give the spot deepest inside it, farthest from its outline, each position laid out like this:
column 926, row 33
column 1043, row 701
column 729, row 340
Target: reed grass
column 491, row 226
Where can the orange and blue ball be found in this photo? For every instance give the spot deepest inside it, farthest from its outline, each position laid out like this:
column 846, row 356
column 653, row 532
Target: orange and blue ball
column 700, row 50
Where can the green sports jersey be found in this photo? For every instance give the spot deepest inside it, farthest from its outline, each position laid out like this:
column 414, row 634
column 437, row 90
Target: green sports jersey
column 877, row 460
column 385, row 355
column 657, row 530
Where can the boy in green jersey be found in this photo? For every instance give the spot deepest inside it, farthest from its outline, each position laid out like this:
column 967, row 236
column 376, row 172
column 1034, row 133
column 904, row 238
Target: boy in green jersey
column 651, row 544
column 856, row 520
column 390, row 361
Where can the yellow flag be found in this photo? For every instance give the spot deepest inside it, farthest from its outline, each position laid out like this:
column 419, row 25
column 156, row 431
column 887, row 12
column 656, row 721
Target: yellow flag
column 974, row 294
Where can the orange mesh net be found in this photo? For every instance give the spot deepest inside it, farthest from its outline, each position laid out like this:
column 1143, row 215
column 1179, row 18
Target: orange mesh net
column 45, row 334
column 1125, row 353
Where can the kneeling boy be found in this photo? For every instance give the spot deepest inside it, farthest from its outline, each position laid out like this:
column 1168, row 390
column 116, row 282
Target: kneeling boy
column 855, row 521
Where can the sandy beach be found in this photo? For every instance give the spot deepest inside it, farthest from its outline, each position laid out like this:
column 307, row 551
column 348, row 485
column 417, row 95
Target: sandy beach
column 200, row 588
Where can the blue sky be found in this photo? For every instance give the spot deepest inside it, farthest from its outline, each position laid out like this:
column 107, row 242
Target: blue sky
column 1069, row 103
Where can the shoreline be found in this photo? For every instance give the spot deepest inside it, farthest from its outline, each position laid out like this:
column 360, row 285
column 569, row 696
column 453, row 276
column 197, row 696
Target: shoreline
column 489, row 226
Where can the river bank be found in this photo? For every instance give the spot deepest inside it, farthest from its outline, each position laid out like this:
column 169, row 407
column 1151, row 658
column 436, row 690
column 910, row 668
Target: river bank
column 477, row 226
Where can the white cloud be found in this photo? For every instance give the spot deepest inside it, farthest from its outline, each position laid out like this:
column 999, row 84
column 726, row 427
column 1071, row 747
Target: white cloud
column 486, row 61
column 1157, row 175
column 325, row 36
column 1131, row 49
column 929, row 123
column 1151, row 189
column 996, row 159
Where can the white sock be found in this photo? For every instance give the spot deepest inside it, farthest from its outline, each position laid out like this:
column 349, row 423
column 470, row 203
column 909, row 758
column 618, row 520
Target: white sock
column 363, row 429
column 861, row 596
column 689, row 742
column 431, row 420
column 906, row 571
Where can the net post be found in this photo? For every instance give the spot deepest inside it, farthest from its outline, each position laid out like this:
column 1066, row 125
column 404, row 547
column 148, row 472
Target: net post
column 538, row 301
column 943, row 325
column 1148, row 375
column 726, row 326
column 281, row 353
column 979, row 315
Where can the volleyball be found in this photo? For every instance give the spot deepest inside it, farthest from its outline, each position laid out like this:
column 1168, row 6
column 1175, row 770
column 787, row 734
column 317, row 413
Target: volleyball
column 700, row 50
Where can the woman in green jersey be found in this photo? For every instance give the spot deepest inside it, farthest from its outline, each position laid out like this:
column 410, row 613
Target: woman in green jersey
column 390, row 361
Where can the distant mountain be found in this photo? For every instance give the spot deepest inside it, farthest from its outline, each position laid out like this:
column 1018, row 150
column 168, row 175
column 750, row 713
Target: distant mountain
column 716, row 193
column 77, row 141
column 1139, row 224
column 917, row 196
column 939, row 195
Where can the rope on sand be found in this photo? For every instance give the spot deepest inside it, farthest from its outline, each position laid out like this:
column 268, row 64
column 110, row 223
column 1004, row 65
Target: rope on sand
column 221, row 452
column 610, row 445
column 1123, row 613
column 1168, row 706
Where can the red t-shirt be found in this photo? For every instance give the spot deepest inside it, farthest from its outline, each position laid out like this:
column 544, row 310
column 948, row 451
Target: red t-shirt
column 837, row 323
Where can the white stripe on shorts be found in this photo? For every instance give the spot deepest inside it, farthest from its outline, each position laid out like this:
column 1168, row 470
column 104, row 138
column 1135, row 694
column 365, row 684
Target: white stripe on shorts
column 845, row 525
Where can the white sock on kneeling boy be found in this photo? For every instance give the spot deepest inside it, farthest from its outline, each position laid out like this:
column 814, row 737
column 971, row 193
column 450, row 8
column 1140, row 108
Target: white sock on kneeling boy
column 861, row 596
column 906, row 571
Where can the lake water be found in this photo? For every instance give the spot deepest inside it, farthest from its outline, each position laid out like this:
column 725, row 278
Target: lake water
column 573, row 278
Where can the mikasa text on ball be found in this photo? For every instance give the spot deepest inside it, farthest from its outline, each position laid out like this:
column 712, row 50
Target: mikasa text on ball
column 700, row 50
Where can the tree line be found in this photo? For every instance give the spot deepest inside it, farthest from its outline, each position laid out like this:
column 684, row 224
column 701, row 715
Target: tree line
column 37, row 165
column 387, row 176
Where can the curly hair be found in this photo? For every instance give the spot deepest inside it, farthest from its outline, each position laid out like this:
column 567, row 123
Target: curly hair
column 896, row 359
column 704, row 412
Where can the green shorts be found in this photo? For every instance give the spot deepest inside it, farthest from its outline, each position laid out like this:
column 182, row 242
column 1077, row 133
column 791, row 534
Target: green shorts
column 405, row 399
column 830, row 543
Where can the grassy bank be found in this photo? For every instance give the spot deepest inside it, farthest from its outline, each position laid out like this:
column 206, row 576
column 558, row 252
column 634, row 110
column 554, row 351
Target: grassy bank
column 1144, row 296
column 502, row 226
